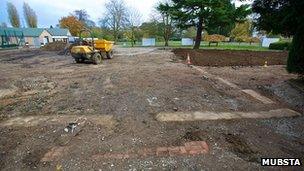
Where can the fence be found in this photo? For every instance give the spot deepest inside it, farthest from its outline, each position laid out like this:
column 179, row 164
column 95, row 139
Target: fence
column 10, row 38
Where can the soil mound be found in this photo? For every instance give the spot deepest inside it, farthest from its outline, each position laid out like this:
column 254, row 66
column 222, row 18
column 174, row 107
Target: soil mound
column 55, row 46
column 204, row 57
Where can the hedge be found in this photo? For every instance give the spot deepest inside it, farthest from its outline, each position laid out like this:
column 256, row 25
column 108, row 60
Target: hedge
column 280, row 46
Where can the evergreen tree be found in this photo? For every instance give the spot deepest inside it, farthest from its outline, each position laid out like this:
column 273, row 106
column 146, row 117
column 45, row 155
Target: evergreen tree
column 284, row 17
column 30, row 16
column 13, row 15
column 206, row 15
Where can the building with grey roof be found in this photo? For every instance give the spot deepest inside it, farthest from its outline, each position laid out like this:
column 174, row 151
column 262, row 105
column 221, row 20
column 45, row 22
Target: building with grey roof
column 32, row 37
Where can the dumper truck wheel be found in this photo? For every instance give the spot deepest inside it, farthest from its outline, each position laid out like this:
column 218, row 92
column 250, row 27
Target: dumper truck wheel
column 78, row 60
column 110, row 55
column 96, row 58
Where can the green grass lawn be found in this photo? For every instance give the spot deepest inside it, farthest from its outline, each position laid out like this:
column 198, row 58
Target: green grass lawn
column 205, row 45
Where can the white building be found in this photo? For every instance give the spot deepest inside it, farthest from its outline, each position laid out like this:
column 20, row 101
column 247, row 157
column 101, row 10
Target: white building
column 59, row 34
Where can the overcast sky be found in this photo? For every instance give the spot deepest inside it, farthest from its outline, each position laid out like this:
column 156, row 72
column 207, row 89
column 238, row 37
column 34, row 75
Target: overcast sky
column 50, row 11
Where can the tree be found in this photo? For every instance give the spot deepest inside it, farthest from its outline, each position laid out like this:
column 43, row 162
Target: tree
column 190, row 33
column 84, row 17
column 241, row 30
column 129, row 34
column 107, row 34
column 133, row 22
column 241, row 39
column 30, row 16
column 71, row 23
column 224, row 18
column 214, row 38
column 152, row 29
column 81, row 15
column 97, row 32
column 284, row 17
column 90, row 24
column 205, row 14
column 253, row 40
column 115, row 17
column 13, row 15
column 167, row 22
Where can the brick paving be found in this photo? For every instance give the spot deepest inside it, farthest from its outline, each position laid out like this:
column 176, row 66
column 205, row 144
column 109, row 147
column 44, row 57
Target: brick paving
column 54, row 153
column 192, row 148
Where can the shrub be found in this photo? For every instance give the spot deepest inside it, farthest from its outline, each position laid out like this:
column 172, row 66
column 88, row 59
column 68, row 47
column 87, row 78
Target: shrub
column 241, row 39
column 247, row 39
column 295, row 63
column 214, row 38
column 253, row 40
column 280, row 46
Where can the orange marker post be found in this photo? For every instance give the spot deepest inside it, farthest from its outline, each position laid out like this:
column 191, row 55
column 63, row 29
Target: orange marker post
column 188, row 60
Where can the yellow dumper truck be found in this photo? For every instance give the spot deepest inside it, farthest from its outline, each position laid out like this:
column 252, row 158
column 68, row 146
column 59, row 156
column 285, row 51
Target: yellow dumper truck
column 93, row 50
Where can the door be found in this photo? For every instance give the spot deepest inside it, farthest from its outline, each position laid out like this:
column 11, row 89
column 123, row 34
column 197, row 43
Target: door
column 36, row 42
column 45, row 40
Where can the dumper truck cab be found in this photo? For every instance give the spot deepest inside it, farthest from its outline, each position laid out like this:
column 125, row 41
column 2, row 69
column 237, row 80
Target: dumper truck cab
column 92, row 50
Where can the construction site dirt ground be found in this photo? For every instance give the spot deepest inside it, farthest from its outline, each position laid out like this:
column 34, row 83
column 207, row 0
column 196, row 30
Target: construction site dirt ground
column 121, row 113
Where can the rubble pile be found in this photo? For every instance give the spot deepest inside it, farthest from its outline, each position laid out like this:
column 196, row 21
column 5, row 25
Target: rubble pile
column 55, row 46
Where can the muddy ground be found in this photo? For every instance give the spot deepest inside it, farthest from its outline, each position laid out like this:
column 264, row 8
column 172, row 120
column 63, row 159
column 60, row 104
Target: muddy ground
column 116, row 103
column 213, row 57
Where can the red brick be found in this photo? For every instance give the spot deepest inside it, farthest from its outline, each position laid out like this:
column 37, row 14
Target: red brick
column 183, row 150
column 192, row 143
column 205, row 146
column 146, row 152
column 53, row 154
column 95, row 157
column 174, row 151
column 118, row 156
column 193, row 148
column 195, row 152
column 121, row 156
column 112, row 156
column 162, row 151
column 190, row 148
column 132, row 154
column 197, row 145
column 106, row 155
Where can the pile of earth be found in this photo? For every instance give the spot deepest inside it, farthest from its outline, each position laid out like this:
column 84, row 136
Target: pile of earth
column 204, row 57
column 55, row 46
